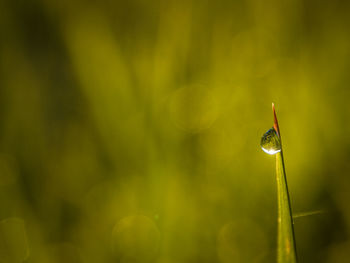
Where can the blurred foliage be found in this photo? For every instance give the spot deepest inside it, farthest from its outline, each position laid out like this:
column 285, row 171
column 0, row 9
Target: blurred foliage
column 130, row 130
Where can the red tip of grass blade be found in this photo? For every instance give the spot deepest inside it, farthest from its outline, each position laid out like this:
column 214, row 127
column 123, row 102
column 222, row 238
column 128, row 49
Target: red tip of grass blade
column 275, row 122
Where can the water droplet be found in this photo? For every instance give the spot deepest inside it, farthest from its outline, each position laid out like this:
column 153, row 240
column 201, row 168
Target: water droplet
column 270, row 142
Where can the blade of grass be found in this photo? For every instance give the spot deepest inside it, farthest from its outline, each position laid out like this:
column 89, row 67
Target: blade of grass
column 286, row 249
column 310, row 213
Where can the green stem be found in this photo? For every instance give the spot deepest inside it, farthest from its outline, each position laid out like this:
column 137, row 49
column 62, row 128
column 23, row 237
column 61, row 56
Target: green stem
column 286, row 252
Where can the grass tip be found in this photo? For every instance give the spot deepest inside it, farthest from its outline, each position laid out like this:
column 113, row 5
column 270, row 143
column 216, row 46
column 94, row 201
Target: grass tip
column 275, row 122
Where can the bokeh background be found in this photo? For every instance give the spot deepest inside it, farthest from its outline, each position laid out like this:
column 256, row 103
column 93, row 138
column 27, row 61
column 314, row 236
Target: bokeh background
column 130, row 130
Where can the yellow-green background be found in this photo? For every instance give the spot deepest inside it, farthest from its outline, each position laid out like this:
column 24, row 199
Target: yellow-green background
column 130, row 130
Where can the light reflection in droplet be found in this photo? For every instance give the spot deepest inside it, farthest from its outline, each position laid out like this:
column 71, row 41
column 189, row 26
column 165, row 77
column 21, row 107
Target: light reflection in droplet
column 270, row 142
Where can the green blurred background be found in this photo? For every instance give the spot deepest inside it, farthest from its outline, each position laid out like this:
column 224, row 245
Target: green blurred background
column 130, row 130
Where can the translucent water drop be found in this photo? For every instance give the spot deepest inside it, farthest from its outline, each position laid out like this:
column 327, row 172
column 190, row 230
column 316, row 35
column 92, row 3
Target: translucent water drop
column 270, row 142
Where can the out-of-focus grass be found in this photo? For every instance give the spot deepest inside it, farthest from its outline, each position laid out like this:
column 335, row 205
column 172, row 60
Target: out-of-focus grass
column 153, row 109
